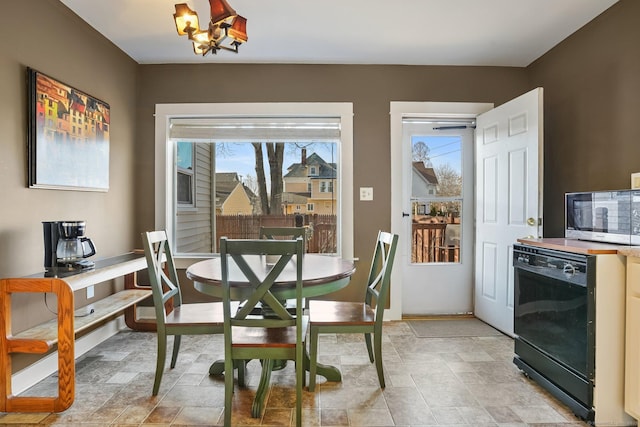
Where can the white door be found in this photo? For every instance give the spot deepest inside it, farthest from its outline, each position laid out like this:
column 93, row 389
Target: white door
column 439, row 183
column 436, row 278
column 509, row 187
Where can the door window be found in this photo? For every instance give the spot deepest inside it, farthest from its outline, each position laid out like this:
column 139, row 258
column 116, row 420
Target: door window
column 436, row 195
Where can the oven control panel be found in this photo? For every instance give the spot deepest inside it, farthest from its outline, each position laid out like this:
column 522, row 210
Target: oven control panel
column 554, row 264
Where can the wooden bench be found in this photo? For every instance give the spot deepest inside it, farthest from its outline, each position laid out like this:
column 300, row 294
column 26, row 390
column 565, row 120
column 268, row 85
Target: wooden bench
column 62, row 331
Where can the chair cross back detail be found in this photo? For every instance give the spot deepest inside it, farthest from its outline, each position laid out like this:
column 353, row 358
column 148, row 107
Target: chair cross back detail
column 261, row 287
column 380, row 272
column 163, row 273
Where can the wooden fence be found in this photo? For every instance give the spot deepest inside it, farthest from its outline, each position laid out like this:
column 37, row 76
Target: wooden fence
column 322, row 228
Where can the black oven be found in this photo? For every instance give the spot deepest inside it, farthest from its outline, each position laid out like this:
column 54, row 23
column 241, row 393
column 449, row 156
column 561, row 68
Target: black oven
column 554, row 323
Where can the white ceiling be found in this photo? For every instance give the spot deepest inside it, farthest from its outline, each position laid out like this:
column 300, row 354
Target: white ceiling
column 412, row 32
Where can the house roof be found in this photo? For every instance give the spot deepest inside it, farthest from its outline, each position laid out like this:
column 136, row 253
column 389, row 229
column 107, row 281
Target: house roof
column 227, row 177
column 427, row 172
column 299, row 170
column 226, row 182
column 295, row 198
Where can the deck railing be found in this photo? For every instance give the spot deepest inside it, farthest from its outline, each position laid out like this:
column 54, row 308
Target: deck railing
column 428, row 243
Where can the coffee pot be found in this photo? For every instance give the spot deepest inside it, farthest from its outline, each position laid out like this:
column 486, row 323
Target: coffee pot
column 66, row 246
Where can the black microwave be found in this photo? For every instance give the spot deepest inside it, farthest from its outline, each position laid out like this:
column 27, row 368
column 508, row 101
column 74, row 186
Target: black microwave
column 603, row 216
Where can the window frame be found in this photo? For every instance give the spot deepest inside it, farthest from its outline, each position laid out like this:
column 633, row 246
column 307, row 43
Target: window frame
column 191, row 173
column 165, row 152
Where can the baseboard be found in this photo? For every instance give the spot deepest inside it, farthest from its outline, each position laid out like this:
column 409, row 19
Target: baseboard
column 38, row 371
column 439, row 316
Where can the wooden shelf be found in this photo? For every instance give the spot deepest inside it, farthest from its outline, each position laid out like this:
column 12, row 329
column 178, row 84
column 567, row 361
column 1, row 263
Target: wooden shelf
column 62, row 331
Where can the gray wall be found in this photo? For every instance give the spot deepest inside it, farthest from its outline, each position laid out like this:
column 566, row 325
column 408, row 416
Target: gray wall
column 45, row 35
column 592, row 109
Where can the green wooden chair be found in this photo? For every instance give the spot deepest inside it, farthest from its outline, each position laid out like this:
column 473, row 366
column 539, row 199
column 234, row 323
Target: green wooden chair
column 357, row 317
column 172, row 316
column 277, row 336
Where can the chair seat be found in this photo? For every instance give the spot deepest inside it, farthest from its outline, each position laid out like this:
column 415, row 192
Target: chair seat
column 340, row 313
column 268, row 337
column 197, row 314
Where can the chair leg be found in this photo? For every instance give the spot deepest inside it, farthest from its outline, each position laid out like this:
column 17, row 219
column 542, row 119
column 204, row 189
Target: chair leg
column 161, row 356
column 228, row 391
column 313, row 357
column 176, row 349
column 300, row 375
column 241, row 365
column 377, row 343
column 367, row 339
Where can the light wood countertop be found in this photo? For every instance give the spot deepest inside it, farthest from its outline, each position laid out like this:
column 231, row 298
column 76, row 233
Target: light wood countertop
column 577, row 246
column 630, row 251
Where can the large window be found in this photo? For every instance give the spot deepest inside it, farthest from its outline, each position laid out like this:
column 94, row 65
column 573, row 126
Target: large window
column 226, row 169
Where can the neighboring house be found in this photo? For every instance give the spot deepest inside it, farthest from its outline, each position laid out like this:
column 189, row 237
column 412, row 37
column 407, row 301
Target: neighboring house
column 309, row 186
column 424, row 183
column 232, row 196
column 195, row 208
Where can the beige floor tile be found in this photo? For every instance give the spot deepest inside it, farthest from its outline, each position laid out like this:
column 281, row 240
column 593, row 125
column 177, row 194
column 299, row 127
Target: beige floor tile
column 468, row 381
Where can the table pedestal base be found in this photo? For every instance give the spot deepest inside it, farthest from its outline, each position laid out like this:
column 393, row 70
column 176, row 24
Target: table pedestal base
column 331, row 373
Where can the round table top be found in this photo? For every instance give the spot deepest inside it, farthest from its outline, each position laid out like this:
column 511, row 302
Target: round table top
column 321, row 274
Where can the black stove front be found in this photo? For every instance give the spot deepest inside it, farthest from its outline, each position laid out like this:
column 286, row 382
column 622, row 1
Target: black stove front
column 554, row 323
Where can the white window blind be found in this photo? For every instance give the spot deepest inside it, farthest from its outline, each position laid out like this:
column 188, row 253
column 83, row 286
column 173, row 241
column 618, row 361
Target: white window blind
column 262, row 129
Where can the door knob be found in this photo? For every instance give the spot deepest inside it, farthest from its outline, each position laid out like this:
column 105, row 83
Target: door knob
column 531, row 221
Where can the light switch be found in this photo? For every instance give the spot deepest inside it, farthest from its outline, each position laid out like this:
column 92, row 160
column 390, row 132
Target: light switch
column 90, row 292
column 366, row 193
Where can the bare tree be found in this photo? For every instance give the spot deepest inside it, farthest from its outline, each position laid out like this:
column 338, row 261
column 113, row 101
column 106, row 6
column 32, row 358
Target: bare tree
column 275, row 154
column 449, row 180
column 270, row 202
column 262, row 181
column 449, row 185
column 251, row 182
column 420, row 152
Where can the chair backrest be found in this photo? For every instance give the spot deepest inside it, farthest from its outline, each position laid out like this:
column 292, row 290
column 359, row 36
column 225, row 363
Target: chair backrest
column 162, row 273
column 380, row 272
column 287, row 233
column 260, row 277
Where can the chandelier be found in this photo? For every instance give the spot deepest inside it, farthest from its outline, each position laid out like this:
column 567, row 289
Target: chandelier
column 227, row 30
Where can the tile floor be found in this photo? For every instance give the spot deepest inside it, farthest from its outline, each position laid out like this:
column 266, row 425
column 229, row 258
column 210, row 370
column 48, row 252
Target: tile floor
column 430, row 382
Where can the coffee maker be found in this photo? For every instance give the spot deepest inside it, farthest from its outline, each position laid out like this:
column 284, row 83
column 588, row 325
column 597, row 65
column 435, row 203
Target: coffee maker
column 65, row 247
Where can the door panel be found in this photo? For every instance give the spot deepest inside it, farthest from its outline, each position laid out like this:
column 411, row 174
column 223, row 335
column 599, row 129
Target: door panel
column 489, row 271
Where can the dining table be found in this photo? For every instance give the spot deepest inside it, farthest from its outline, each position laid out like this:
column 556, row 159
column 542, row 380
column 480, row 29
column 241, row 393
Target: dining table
column 322, row 274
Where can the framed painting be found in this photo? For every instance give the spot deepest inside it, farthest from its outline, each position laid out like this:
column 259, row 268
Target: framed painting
column 68, row 136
